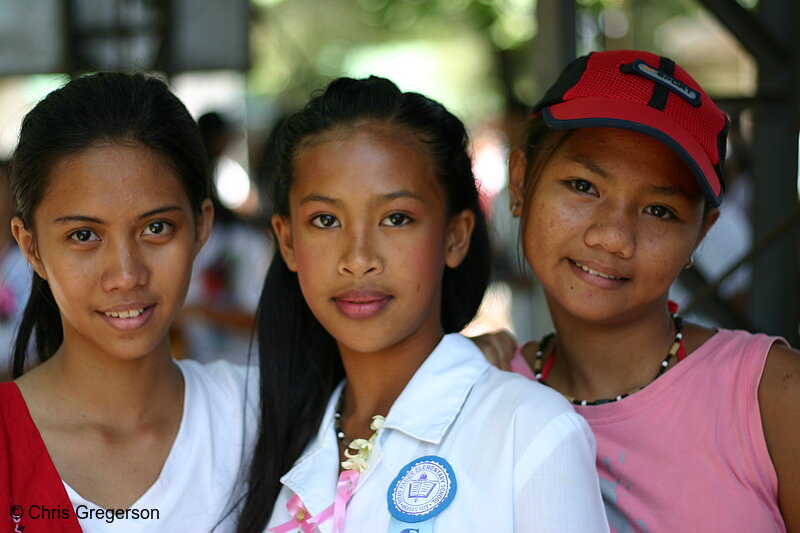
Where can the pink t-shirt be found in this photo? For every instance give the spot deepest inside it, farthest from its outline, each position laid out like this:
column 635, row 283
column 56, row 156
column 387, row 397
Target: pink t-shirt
column 687, row 452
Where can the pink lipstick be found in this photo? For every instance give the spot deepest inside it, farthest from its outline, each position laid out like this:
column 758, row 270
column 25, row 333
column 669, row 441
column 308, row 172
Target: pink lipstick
column 361, row 303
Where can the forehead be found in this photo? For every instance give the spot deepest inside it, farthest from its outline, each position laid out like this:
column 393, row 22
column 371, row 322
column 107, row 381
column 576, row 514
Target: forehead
column 365, row 159
column 639, row 158
column 111, row 178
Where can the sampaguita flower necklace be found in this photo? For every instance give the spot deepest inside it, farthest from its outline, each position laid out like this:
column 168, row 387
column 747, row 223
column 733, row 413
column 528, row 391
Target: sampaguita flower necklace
column 362, row 447
column 353, row 466
column 541, row 367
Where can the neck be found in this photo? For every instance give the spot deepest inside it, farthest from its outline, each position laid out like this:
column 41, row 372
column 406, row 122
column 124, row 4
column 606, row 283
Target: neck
column 110, row 390
column 376, row 379
column 598, row 361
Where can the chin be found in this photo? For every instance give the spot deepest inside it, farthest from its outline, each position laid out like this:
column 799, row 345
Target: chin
column 363, row 345
column 134, row 351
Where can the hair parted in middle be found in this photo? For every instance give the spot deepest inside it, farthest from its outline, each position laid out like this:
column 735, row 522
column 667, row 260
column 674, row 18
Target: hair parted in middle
column 102, row 108
column 300, row 363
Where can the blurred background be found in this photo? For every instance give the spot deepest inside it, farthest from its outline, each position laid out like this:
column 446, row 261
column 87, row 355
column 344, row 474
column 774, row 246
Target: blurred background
column 241, row 65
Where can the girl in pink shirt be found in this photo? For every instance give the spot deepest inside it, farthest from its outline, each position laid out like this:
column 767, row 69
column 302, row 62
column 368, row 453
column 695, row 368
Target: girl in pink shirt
column 619, row 180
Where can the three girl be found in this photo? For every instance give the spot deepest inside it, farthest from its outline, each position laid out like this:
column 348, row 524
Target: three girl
column 376, row 416
column 618, row 183
column 109, row 432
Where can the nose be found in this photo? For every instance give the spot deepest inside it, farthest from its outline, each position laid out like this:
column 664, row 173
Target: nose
column 359, row 255
column 124, row 267
column 612, row 231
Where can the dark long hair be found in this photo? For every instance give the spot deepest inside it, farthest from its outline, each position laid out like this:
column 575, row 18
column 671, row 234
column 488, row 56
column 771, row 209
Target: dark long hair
column 300, row 364
column 109, row 107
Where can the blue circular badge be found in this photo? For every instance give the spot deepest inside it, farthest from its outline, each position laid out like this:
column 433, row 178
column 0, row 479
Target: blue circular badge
column 423, row 489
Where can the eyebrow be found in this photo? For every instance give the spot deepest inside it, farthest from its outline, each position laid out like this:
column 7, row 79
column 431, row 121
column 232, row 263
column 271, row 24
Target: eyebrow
column 377, row 200
column 590, row 165
column 320, row 198
column 667, row 190
column 83, row 218
column 402, row 193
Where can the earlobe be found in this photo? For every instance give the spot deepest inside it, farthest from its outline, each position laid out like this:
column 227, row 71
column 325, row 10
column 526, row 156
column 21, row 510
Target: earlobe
column 283, row 233
column 27, row 246
column 517, row 166
column 459, row 235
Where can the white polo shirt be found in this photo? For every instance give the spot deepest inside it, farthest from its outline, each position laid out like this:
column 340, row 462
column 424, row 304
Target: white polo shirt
column 522, row 458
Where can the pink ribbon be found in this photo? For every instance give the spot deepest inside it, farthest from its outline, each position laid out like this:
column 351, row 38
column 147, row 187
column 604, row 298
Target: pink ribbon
column 348, row 481
column 302, row 519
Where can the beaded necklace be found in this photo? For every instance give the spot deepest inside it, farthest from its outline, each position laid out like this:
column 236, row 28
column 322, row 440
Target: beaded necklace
column 362, row 447
column 541, row 368
column 337, row 427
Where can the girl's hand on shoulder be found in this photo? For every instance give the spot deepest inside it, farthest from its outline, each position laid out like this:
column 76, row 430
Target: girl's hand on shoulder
column 498, row 347
column 779, row 400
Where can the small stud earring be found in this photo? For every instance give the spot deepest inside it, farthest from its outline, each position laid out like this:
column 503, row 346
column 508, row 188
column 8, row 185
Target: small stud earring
column 515, row 209
column 689, row 263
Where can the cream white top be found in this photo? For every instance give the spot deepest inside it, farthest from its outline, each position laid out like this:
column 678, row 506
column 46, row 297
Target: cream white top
column 202, row 475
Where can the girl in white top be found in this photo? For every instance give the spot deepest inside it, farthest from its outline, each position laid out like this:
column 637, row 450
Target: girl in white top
column 111, row 191
column 383, row 257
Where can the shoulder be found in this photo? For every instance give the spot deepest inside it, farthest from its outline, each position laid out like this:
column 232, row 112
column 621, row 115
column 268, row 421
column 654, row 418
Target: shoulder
column 220, row 370
column 781, row 377
column 737, row 352
column 11, row 401
column 525, row 393
column 779, row 403
column 528, row 406
column 221, row 378
column 779, row 389
column 498, row 396
column 541, row 426
column 8, row 389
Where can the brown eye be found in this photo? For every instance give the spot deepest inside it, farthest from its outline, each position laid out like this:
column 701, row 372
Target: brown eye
column 158, row 227
column 658, row 211
column 582, row 185
column 396, row 219
column 84, row 235
column 325, row 221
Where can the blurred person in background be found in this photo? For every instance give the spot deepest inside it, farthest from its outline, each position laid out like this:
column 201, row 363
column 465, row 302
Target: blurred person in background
column 728, row 240
column 218, row 317
column 15, row 277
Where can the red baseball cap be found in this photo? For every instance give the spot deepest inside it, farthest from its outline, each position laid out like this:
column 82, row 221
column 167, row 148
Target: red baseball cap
column 647, row 93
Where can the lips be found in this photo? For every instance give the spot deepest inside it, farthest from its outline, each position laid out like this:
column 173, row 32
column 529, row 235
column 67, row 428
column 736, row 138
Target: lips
column 594, row 272
column 601, row 276
column 130, row 313
column 127, row 317
column 361, row 304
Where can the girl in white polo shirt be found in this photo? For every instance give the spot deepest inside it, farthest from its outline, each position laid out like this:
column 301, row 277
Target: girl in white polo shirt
column 376, row 414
